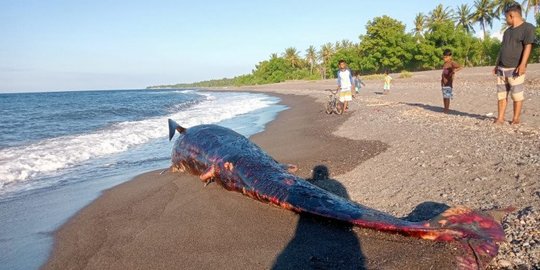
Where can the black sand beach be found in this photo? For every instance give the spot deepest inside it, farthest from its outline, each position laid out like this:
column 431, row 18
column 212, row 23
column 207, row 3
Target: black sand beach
column 395, row 153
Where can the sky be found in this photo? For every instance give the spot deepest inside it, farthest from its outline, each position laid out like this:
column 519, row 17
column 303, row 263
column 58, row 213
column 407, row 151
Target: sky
column 57, row 45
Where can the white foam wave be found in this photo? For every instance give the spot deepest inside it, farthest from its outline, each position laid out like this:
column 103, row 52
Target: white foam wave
column 24, row 163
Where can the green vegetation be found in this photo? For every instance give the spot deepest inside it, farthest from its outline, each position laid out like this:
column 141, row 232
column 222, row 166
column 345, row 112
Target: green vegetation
column 387, row 46
column 536, row 49
column 405, row 74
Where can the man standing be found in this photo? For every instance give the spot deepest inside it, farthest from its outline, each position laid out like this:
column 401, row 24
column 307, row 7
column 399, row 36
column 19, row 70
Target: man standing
column 515, row 50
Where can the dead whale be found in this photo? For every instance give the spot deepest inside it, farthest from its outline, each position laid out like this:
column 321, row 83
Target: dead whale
column 220, row 155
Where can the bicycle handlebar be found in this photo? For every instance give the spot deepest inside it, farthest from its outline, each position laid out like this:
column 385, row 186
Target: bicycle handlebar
column 333, row 91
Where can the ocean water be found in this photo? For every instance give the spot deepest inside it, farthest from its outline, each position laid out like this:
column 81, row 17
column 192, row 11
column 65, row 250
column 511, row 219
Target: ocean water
column 59, row 150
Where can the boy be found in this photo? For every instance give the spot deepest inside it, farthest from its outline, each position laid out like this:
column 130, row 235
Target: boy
column 358, row 83
column 447, row 78
column 387, row 82
column 511, row 66
column 345, row 83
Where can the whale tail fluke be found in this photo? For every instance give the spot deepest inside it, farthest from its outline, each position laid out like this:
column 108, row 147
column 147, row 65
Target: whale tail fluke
column 173, row 127
column 470, row 224
column 480, row 233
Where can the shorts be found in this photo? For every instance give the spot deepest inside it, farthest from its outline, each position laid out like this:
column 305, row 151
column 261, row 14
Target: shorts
column 447, row 92
column 386, row 86
column 345, row 95
column 507, row 83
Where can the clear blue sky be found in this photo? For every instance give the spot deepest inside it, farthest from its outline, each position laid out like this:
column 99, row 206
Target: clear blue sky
column 80, row 45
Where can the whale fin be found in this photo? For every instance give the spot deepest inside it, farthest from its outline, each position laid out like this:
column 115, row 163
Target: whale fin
column 173, row 126
column 209, row 174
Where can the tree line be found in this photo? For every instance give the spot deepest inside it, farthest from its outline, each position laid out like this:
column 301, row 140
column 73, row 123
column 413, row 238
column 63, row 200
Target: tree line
column 388, row 46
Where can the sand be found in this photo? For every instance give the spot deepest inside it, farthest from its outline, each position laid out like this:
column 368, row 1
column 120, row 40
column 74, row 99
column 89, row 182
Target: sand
column 396, row 153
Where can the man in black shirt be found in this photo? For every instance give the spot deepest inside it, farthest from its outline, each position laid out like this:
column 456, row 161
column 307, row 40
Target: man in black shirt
column 512, row 61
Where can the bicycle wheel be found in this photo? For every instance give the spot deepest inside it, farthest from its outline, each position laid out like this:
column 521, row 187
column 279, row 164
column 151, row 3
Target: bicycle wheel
column 328, row 107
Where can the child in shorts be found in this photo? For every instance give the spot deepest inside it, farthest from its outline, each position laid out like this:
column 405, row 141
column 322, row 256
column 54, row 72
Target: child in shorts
column 447, row 78
column 358, row 83
column 344, row 84
column 387, row 83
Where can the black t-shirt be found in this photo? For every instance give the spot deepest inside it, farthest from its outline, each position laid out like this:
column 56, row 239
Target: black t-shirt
column 514, row 39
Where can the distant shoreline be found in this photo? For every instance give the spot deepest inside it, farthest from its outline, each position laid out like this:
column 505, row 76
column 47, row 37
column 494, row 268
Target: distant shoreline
column 189, row 211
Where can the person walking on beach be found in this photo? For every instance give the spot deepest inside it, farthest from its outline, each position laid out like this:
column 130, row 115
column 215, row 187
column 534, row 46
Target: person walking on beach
column 511, row 66
column 449, row 69
column 358, row 83
column 387, row 83
column 345, row 84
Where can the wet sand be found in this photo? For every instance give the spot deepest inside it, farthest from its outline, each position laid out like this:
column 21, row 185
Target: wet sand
column 171, row 221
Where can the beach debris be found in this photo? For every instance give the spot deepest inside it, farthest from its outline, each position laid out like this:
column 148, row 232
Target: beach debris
column 205, row 149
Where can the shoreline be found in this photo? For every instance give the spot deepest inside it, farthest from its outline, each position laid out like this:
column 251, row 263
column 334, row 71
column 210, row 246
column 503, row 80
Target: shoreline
column 30, row 218
column 481, row 166
column 160, row 207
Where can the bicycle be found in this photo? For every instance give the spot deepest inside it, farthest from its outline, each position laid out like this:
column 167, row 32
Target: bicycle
column 333, row 105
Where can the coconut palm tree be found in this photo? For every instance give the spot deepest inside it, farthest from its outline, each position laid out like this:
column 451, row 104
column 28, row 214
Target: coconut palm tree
column 273, row 56
column 499, row 6
column 531, row 4
column 484, row 14
column 292, row 55
column 464, row 18
column 440, row 14
column 327, row 50
column 337, row 46
column 504, row 26
column 419, row 25
column 346, row 44
column 526, row 6
column 311, row 57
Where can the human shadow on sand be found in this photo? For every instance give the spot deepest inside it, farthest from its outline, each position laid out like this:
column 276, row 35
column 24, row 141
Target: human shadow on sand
column 321, row 243
column 440, row 110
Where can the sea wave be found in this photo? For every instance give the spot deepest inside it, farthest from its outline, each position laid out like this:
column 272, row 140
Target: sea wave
column 50, row 156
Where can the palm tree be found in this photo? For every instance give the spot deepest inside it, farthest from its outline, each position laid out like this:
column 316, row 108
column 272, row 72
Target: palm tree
column 311, row 57
column 526, row 6
column 504, row 26
column 530, row 4
column 464, row 18
column 327, row 50
column 291, row 55
column 419, row 25
column 273, row 56
column 484, row 14
column 337, row 46
column 439, row 15
column 346, row 44
column 499, row 6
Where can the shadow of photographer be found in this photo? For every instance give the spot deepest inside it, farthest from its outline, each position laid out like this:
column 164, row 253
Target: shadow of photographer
column 322, row 243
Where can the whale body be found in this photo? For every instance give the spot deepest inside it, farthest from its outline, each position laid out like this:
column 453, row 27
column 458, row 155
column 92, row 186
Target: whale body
column 218, row 154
